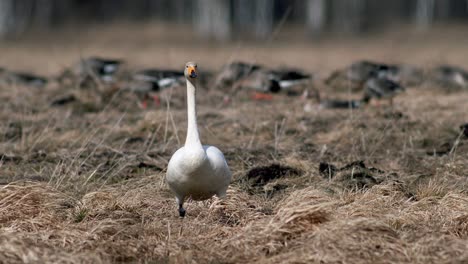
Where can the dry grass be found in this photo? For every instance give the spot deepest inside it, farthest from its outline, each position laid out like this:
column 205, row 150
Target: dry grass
column 84, row 183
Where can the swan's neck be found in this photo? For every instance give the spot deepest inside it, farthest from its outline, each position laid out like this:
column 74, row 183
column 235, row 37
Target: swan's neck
column 193, row 139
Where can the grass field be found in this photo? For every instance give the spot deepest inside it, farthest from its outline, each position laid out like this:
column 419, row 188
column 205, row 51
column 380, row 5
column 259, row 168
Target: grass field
column 84, row 182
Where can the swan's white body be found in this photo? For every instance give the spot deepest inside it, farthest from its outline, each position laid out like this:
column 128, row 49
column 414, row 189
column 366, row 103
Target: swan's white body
column 198, row 173
column 195, row 170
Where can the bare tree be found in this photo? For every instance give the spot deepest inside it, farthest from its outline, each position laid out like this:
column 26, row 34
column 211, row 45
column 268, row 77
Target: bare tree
column 263, row 18
column 243, row 15
column 43, row 12
column 212, row 18
column 6, row 19
column 442, row 9
column 315, row 16
column 424, row 15
column 349, row 15
column 218, row 19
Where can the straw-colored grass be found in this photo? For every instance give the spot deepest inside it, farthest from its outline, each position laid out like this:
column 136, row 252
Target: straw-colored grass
column 84, row 183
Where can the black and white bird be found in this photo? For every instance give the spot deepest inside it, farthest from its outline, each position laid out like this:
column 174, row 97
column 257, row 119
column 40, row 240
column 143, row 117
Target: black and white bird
column 103, row 68
column 149, row 82
column 265, row 82
column 22, row 78
column 289, row 77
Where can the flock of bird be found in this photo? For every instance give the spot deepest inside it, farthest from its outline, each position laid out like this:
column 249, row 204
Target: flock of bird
column 373, row 80
column 200, row 171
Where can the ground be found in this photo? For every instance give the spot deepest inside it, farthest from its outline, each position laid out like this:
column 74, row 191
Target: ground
column 84, row 182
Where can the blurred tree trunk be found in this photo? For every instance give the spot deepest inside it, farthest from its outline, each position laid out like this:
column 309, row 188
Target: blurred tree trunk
column 315, row 16
column 6, row 19
column 22, row 15
column 43, row 13
column 201, row 17
column 349, row 15
column 424, row 15
column 212, row 18
column 263, row 18
column 180, row 11
column 442, row 8
column 217, row 18
column 221, row 19
column 243, row 15
column 15, row 16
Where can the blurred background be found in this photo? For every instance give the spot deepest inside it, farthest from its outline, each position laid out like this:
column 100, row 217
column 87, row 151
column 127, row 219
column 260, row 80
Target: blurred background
column 46, row 36
column 231, row 19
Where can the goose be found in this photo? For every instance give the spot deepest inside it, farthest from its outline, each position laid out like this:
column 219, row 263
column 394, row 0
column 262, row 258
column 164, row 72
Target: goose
column 148, row 82
column 404, row 74
column 87, row 71
column 95, row 67
column 380, row 87
column 196, row 171
column 451, row 76
column 355, row 76
column 352, row 77
column 362, row 70
column 265, row 81
column 22, row 78
column 233, row 72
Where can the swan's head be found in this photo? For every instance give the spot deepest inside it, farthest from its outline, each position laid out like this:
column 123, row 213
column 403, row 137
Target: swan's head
column 191, row 71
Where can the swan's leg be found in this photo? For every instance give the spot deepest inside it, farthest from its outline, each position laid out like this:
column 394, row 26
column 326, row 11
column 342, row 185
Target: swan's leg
column 180, row 202
column 181, row 211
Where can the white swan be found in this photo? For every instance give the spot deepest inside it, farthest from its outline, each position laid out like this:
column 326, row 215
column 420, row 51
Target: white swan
column 195, row 170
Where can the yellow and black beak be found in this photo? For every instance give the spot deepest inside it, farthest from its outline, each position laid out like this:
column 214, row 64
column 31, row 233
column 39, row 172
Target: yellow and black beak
column 192, row 72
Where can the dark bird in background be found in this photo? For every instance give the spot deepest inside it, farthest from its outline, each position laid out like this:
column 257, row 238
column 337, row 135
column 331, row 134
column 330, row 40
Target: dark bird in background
column 404, row 74
column 379, row 87
column 22, row 78
column 450, row 76
column 147, row 83
column 361, row 71
column 233, row 72
column 262, row 80
column 103, row 68
column 352, row 77
column 91, row 70
column 289, row 77
column 357, row 74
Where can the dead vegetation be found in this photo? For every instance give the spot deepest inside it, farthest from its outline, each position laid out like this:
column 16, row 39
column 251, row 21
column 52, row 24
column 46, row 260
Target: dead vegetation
column 82, row 179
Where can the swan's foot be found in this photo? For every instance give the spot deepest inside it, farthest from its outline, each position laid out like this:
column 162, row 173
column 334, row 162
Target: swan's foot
column 181, row 211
